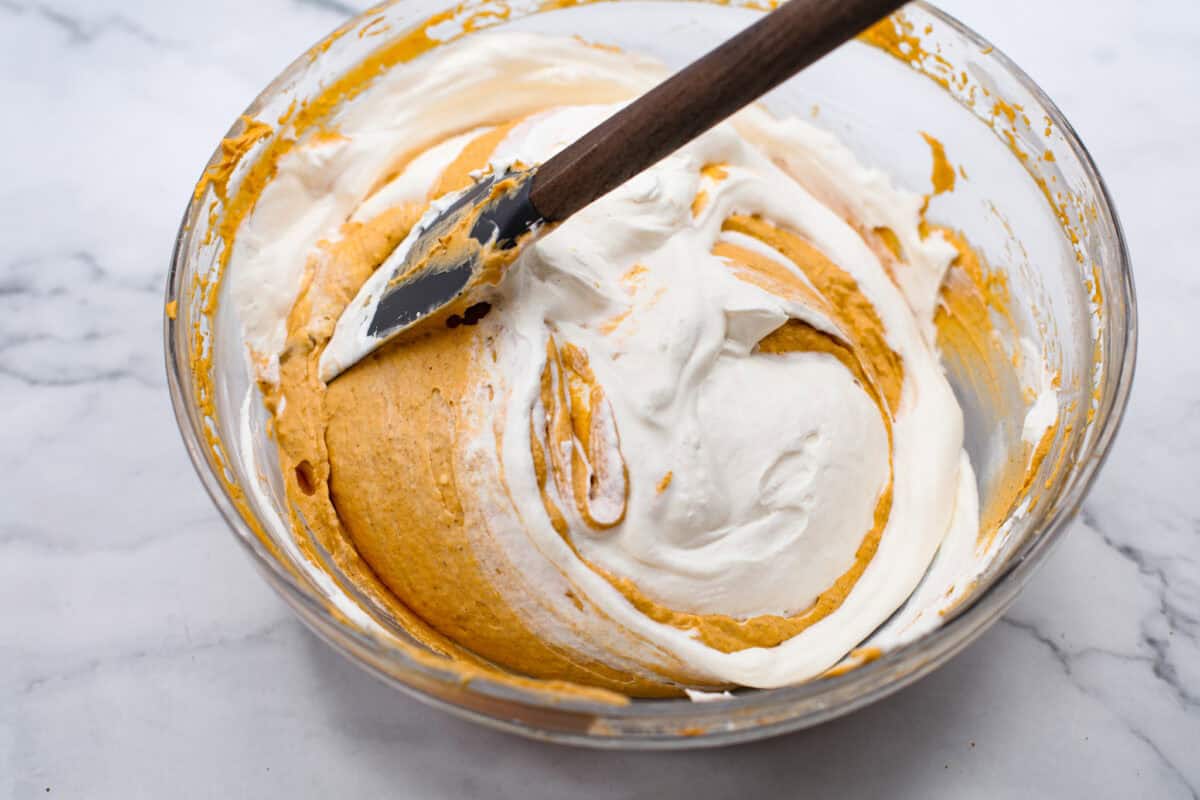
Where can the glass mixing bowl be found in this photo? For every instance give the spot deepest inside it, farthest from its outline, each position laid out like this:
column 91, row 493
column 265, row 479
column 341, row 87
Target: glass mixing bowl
column 1030, row 200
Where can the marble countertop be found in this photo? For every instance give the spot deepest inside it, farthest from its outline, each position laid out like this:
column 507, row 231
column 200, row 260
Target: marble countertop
column 141, row 656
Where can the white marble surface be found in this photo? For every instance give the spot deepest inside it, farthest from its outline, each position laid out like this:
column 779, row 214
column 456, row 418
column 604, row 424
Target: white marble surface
column 141, row 656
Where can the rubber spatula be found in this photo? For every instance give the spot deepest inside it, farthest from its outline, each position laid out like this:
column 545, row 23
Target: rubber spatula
column 429, row 275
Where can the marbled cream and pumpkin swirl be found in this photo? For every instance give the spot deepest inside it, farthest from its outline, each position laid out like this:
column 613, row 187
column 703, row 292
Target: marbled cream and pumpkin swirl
column 702, row 436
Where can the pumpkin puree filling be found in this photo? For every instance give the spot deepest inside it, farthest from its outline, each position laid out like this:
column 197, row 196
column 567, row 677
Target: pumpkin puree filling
column 697, row 436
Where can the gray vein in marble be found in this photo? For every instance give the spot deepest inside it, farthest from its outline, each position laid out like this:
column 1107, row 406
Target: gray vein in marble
column 75, row 378
column 81, row 31
column 335, row 6
column 56, row 332
column 1195, row 795
column 33, row 539
column 1179, row 620
column 1065, row 659
column 159, row 653
column 20, row 275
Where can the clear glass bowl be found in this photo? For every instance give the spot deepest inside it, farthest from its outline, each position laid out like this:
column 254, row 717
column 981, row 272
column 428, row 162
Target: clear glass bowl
column 1047, row 220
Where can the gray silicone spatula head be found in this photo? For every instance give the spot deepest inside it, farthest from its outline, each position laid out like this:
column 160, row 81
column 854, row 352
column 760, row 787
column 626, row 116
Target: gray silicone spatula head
column 437, row 272
column 494, row 213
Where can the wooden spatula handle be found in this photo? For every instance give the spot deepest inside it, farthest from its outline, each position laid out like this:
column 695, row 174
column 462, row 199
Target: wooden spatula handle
column 693, row 100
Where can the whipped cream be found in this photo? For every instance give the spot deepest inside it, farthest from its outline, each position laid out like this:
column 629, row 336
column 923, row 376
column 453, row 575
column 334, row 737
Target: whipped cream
column 776, row 462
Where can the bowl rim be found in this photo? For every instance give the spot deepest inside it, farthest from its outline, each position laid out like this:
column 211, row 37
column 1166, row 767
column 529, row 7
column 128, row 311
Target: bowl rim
column 877, row 679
